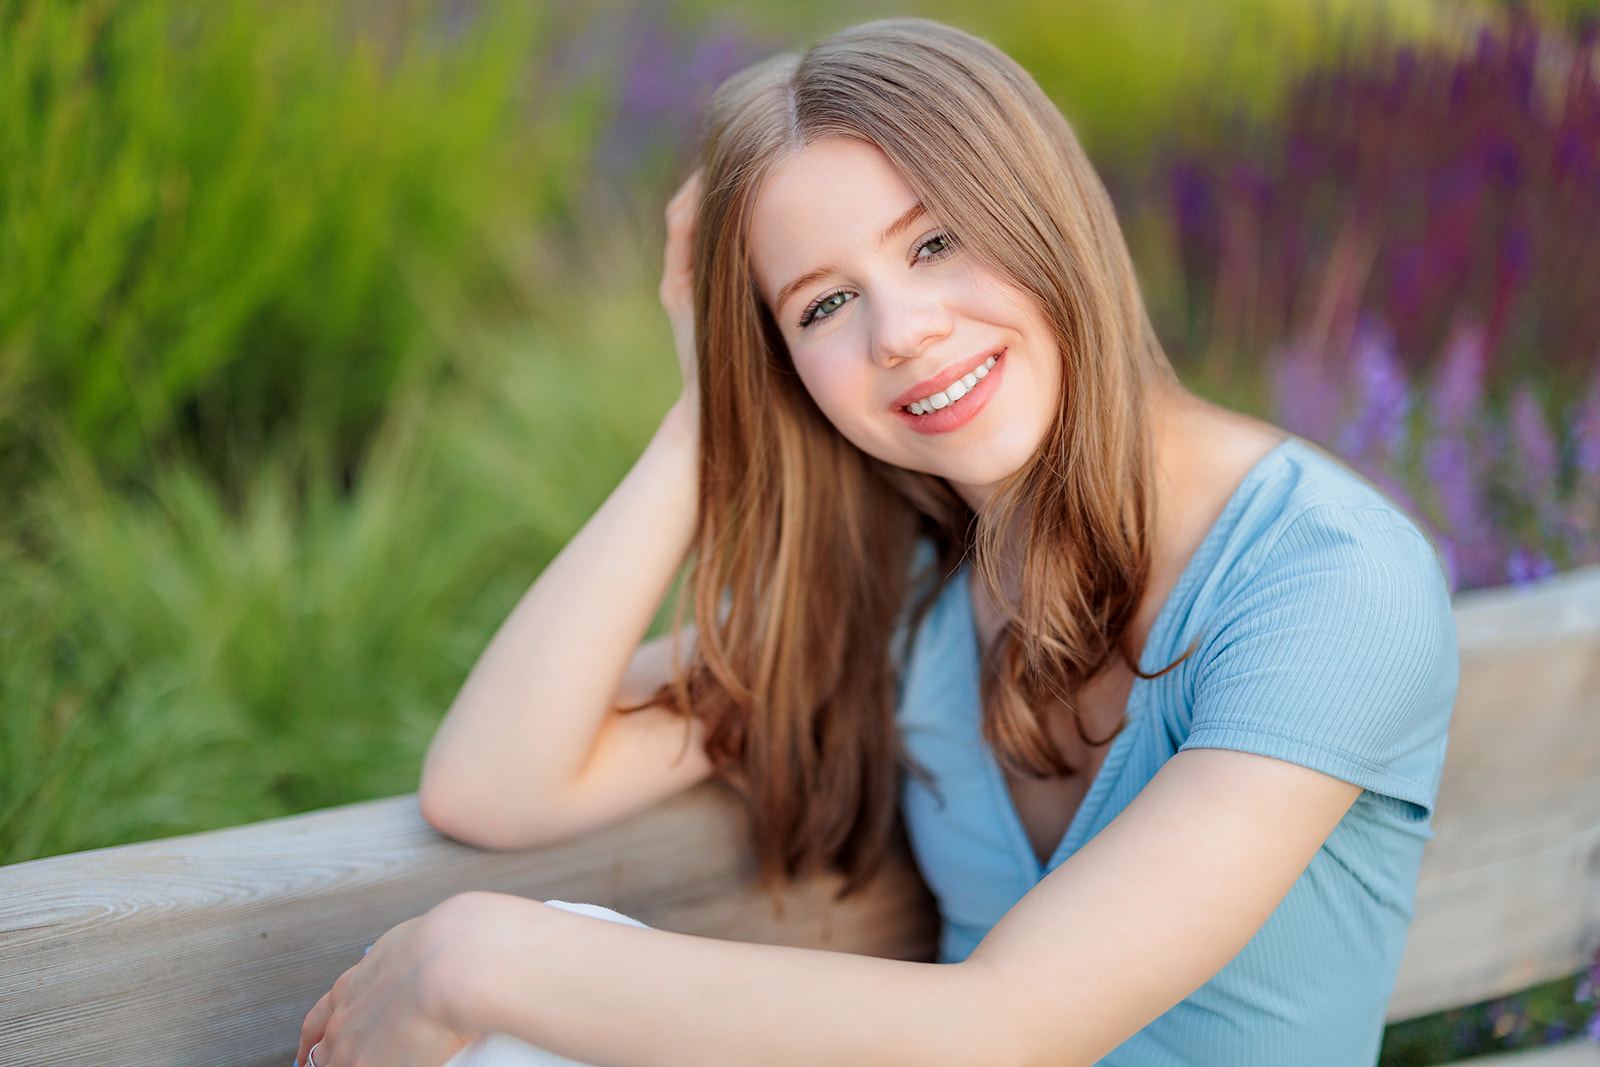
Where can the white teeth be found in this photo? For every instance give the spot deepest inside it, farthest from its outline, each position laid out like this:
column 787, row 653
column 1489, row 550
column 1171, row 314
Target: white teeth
column 952, row 392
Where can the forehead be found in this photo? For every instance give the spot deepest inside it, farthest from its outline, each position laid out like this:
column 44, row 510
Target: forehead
column 825, row 201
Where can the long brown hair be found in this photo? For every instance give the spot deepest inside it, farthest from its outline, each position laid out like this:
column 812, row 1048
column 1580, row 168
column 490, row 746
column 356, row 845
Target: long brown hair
column 803, row 552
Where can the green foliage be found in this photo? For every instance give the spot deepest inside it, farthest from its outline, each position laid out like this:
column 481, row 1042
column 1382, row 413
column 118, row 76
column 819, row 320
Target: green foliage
column 176, row 662
column 1524, row 1021
column 214, row 219
column 1134, row 73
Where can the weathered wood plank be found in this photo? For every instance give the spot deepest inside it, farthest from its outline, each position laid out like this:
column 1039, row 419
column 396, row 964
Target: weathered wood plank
column 1510, row 887
column 210, row 949
column 1579, row 1053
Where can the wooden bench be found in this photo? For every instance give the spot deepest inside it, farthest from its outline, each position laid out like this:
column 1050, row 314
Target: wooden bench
column 209, row 949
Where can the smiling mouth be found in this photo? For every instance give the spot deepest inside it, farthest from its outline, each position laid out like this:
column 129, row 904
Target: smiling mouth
column 953, row 392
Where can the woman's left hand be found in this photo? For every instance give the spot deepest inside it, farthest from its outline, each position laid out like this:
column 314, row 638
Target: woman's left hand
column 384, row 1010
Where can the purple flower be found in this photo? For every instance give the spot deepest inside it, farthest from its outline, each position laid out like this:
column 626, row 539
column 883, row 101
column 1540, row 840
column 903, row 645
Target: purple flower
column 717, row 57
column 664, row 74
column 1194, row 205
column 1536, row 446
column 650, row 86
column 1382, row 396
column 1582, row 522
column 1457, row 389
column 1449, row 462
column 1538, row 458
column 1586, row 431
column 1526, row 566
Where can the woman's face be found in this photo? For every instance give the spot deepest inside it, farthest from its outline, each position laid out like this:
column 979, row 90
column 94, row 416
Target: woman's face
column 918, row 354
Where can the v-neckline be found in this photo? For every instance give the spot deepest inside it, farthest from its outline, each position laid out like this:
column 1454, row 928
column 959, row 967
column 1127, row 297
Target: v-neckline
column 1116, row 755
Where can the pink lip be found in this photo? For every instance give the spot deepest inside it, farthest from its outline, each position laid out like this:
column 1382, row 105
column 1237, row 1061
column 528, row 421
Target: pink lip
column 943, row 380
column 957, row 415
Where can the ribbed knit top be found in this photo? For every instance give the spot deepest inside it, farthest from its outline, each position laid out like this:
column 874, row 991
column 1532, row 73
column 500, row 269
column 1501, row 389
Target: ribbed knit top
column 1325, row 639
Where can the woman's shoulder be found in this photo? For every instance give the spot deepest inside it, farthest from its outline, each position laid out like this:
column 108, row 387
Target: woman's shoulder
column 1325, row 635
column 1301, row 508
column 1310, row 560
column 1243, row 498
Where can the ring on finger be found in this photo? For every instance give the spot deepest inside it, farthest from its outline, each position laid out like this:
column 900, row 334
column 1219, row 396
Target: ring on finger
column 311, row 1055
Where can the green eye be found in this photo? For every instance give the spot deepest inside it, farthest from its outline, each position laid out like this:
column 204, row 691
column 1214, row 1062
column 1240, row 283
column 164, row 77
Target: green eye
column 934, row 246
column 824, row 307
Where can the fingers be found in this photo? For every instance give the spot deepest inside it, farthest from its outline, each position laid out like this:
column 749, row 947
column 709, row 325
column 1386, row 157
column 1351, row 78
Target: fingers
column 677, row 276
column 315, row 1026
column 686, row 199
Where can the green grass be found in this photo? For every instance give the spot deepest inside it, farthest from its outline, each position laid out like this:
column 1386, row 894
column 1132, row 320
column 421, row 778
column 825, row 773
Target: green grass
column 215, row 224
column 177, row 660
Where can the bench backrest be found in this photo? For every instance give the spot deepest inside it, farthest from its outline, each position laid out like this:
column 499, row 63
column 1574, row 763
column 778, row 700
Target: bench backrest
column 210, row 948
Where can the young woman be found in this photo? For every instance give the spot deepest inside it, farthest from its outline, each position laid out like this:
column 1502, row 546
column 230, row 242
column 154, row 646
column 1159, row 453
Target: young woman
column 1169, row 690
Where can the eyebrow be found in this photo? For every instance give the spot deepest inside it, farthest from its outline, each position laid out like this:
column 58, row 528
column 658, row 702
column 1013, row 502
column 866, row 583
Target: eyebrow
column 895, row 228
column 800, row 283
column 890, row 232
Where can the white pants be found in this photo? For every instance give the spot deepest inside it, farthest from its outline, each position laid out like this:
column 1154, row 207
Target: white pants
column 498, row 1050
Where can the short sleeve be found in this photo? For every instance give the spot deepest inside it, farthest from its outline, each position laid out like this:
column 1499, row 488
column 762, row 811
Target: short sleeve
column 1337, row 653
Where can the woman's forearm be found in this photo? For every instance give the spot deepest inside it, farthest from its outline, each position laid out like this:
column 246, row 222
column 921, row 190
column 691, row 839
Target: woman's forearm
column 605, row 993
column 523, row 725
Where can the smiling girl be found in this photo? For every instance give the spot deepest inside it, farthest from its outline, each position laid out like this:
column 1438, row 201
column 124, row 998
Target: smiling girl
column 1160, row 693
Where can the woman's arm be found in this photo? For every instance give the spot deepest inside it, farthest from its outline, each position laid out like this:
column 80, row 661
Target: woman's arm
column 533, row 748
column 1144, row 914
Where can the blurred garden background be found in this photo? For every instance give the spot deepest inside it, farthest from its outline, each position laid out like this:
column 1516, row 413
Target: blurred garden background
column 323, row 325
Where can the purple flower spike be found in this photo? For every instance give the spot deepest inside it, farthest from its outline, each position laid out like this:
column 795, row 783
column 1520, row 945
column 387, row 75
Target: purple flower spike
column 1525, row 566
column 1536, row 445
column 1378, row 426
column 1458, row 389
column 1590, row 982
column 1586, row 431
column 1538, row 458
column 1582, row 522
column 1449, row 464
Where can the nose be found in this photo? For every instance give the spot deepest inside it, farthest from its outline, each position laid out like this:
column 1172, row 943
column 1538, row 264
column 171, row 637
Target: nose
column 905, row 324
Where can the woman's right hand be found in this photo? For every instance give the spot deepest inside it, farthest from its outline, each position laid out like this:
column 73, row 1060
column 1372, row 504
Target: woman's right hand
column 677, row 279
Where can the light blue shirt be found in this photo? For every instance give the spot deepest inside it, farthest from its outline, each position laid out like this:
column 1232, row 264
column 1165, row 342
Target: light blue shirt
column 1325, row 639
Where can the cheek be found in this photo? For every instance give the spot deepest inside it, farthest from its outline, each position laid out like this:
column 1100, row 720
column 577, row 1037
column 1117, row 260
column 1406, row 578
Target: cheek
column 835, row 387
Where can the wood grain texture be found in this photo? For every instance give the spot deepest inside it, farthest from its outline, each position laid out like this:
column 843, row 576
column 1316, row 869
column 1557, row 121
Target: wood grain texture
column 1579, row 1053
column 1510, row 887
column 209, row 949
